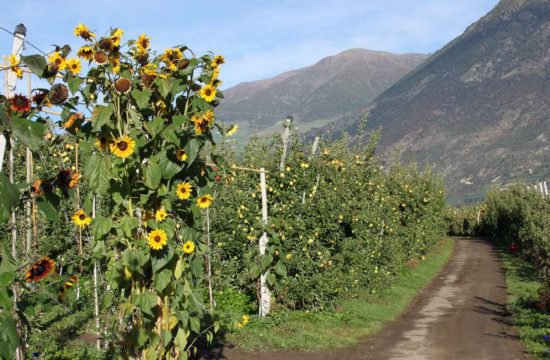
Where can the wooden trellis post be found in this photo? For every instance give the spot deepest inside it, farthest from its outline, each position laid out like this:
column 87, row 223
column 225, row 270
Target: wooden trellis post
column 265, row 293
column 96, row 291
column 545, row 187
column 28, row 205
column 286, row 134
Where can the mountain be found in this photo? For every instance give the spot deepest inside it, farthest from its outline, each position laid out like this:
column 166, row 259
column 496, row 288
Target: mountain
column 478, row 110
column 315, row 95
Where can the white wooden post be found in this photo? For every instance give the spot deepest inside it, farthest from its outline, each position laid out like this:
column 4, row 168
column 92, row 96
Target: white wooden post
column 286, row 133
column 11, row 78
column 540, row 188
column 96, row 291
column 265, row 293
column 28, row 205
column 315, row 145
column 545, row 188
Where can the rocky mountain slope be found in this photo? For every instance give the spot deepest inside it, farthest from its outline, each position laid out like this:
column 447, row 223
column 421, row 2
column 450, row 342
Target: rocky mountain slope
column 478, row 110
column 315, row 95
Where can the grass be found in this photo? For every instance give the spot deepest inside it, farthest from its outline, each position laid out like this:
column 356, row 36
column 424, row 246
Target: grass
column 523, row 285
column 365, row 315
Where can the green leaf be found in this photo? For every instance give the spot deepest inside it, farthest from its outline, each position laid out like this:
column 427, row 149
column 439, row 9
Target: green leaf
column 197, row 267
column 265, row 261
column 98, row 169
column 146, row 302
column 164, row 86
column 36, row 63
column 9, row 339
column 280, row 268
column 134, row 259
column 9, row 198
column 128, row 224
column 162, row 280
column 170, row 134
column 153, row 175
column 181, row 339
column 48, row 206
column 142, row 97
column 74, row 84
column 6, row 300
column 168, row 168
column 101, row 115
column 160, row 259
column 178, row 271
column 271, row 279
column 195, row 324
column 155, row 126
column 28, row 132
column 7, row 263
column 192, row 149
column 101, row 226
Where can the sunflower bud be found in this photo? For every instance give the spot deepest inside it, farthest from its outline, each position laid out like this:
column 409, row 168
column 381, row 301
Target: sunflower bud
column 183, row 64
column 58, row 94
column 106, row 44
column 100, row 57
column 123, row 85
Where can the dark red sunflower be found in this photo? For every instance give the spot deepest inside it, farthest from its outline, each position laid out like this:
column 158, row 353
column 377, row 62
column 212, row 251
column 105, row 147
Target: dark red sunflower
column 63, row 179
column 40, row 269
column 20, row 103
column 40, row 186
column 40, row 98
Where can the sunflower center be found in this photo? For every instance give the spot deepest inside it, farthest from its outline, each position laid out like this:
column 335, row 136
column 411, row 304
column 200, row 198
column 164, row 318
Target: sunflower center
column 82, row 217
column 157, row 238
column 122, row 145
column 39, row 269
column 208, row 92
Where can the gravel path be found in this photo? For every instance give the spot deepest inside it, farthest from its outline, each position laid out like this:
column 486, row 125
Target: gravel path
column 461, row 315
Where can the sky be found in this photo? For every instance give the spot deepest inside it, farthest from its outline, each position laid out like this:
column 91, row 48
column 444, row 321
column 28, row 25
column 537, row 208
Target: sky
column 258, row 38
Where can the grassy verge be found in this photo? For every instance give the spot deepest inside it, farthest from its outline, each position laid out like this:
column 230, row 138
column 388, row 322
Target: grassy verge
column 356, row 318
column 532, row 324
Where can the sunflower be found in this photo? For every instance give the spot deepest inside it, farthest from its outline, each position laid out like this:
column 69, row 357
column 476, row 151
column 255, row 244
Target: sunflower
column 203, row 121
column 188, row 247
column 40, row 269
column 123, row 85
column 184, row 190
column 116, row 36
column 74, row 65
column 86, row 52
column 83, row 31
column 142, row 43
column 81, row 219
column 208, row 92
column 41, row 98
column 56, row 59
column 74, row 118
column 20, row 103
column 14, row 64
column 181, row 155
column 171, row 55
column 69, row 283
column 245, row 319
column 39, row 187
column 102, row 143
column 157, row 239
column 123, row 147
column 232, row 130
column 101, row 57
column 161, row 214
column 215, row 75
column 115, row 63
column 205, row 201
column 74, row 180
column 217, row 61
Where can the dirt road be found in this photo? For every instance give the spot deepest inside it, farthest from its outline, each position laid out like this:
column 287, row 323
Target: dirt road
column 461, row 315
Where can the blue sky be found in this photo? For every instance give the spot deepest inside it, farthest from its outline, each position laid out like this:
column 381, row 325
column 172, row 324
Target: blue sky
column 259, row 39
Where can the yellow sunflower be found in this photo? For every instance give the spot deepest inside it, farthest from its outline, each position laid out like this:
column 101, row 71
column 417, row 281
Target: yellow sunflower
column 189, row 247
column 208, row 92
column 205, row 201
column 81, row 219
column 14, row 64
column 58, row 60
column 181, row 155
column 217, row 61
column 72, row 120
column 184, row 190
column 203, row 121
column 161, row 214
column 74, row 66
column 86, row 52
column 142, row 43
column 123, row 147
column 116, row 36
column 171, row 55
column 232, row 130
column 157, row 239
column 83, row 31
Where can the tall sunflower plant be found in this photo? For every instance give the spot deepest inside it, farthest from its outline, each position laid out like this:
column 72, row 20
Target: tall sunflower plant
column 141, row 120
